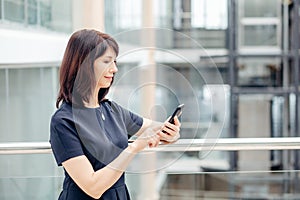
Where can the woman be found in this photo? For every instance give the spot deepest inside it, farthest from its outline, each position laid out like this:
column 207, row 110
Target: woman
column 88, row 133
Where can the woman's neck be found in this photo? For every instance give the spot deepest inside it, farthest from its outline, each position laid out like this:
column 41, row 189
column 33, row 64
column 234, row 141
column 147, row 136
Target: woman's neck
column 91, row 105
column 93, row 102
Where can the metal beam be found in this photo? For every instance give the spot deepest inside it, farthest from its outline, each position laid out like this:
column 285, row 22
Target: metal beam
column 182, row 145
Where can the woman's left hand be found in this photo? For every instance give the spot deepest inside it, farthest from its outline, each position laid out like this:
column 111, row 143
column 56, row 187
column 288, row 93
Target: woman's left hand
column 170, row 132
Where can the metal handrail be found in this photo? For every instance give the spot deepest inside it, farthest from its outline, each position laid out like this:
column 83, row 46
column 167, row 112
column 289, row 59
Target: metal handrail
column 212, row 144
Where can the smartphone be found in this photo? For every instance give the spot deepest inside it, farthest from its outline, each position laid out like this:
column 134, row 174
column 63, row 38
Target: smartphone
column 177, row 112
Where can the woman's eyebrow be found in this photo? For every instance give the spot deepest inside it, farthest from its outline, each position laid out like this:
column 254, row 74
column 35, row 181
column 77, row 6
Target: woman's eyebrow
column 108, row 56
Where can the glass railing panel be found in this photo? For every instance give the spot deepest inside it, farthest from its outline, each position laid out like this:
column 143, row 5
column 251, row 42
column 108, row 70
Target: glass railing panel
column 33, row 188
column 29, row 176
column 231, row 185
column 187, row 169
column 279, row 185
column 188, row 176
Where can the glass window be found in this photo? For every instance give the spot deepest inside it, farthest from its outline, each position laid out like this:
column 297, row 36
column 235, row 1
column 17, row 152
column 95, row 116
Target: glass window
column 209, row 14
column 29, row 97
column 129, row 14
column 259, row 72
column 51, row 14
column 162, row 13
column 3, row 99
column 45, row 13
column 1, row 7
column 57, row 15
column 14, row 10
column 110, row 16
column 260, row 35
column 260, row 23
column 32, row 12
column 258, row 8
column 269, row 123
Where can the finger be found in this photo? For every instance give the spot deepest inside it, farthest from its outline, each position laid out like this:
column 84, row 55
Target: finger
column 166, row 139
column 176, row 121
column 171, row 127
column 154, row 141
column 164, row 136
column 167, row 131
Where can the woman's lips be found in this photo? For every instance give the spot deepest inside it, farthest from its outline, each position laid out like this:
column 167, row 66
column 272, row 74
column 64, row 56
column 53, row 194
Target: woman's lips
column 108, row 77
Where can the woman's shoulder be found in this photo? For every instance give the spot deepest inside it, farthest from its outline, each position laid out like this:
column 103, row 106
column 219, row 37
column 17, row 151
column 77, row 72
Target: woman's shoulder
column 62, row 119
column 64, row 112
column 111, row 104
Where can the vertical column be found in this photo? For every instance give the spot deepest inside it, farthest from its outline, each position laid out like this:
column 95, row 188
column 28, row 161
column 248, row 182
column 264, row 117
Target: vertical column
column 295, row 52
column 148, row 75
column 286, row 157
column 232, row 75
column 232, row 80
column 88, row 14
column 285, row 43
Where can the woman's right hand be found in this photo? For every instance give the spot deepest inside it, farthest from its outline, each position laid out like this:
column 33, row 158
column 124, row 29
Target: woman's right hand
column 149, row 138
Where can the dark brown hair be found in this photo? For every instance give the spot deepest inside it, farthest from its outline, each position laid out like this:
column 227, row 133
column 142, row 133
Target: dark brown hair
column 76, row 77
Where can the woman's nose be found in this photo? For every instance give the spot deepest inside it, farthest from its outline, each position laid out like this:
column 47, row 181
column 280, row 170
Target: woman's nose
column 113, row 68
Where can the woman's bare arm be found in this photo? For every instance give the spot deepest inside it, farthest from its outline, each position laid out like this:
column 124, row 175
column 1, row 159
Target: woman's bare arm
column 95, row 183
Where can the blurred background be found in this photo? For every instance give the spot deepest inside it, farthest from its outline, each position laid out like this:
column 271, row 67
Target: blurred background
column 233, row 63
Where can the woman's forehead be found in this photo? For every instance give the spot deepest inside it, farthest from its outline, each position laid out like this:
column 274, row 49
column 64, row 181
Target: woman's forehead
column 109, row 53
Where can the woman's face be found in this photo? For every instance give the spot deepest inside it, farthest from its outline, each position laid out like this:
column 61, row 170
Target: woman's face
column 105, row 67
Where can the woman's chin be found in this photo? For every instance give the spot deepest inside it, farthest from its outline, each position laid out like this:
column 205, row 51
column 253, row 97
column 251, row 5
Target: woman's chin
column 105, row 86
